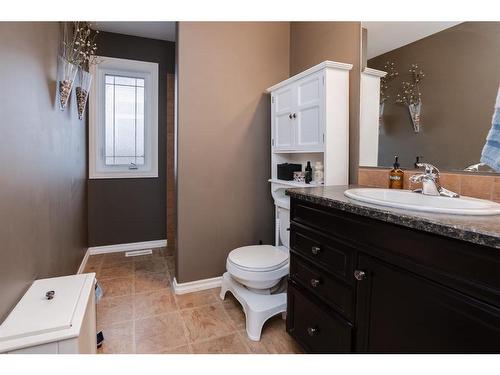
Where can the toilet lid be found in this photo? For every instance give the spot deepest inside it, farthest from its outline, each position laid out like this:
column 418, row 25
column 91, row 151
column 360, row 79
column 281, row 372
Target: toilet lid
column 258, row 257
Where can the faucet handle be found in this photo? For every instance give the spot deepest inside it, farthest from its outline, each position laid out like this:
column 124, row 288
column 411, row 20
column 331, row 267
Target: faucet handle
column 429, row 169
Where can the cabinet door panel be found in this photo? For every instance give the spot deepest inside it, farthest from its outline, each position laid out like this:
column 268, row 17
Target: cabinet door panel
column 282, row 123
column 317, row 329
column 399, row 312
column 309, row 121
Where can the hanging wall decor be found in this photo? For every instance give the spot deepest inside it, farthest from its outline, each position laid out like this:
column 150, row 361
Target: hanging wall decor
column 77, row 40
column 68, row 62
column 411, row 96
column 390, row 69
column 86, row 38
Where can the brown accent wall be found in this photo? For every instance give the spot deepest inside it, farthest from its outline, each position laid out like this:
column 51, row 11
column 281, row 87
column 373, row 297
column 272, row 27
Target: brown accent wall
column 134, row 209
column 462, row 73
column 314, row 42
column 224, row 135
column 43, row 227
column 472, row 185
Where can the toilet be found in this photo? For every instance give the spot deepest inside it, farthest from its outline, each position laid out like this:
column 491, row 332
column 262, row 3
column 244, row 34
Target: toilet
column 256, row 275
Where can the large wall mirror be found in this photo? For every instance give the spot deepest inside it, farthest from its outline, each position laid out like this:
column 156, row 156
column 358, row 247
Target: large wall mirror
column 454, row 69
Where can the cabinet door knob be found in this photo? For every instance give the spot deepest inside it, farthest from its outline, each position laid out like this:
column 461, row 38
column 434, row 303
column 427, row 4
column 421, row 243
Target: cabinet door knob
column 312, row 331
column 294, row 115
column 50, row 294
column 359, row 275
column 315, row 250
column 290, row 116
column 315, row 283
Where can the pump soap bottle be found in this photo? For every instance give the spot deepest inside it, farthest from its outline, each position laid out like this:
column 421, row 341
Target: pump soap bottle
column 396, row 176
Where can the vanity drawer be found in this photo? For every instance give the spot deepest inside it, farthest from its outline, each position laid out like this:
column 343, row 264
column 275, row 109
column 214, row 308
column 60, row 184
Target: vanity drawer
column 333, row 292
column 333, row 222
column 316, row 328
column 333, row 255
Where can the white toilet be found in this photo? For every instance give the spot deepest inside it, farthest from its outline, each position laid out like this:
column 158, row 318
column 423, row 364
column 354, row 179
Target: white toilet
column 256, row 275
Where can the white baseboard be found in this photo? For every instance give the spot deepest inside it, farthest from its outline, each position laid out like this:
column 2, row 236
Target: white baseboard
column 195, row 286
column 84, row 262
column 127, row 247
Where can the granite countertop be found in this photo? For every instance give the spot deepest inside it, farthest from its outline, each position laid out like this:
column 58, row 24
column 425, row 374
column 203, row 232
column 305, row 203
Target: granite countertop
column 482, row 230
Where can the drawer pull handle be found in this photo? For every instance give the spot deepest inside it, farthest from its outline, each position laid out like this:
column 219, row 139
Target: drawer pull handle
column 312, row 331
column 315, row 283
column 359, row 275
column 315, row 250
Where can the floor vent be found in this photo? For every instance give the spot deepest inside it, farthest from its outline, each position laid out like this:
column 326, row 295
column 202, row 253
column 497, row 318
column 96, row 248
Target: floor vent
column 138, row 253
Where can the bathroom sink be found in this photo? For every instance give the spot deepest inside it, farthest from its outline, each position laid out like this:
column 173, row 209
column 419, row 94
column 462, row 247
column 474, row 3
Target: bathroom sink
column 410, row 200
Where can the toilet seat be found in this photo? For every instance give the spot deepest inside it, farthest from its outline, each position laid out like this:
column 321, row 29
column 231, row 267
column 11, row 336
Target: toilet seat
column 258, row 258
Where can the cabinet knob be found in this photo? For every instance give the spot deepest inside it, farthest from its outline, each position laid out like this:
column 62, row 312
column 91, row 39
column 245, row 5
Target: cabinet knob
column 359, row 275
column 315, row 250
column 312, row 331
column 294, row 115
column 50, row 294
column 315, row 283
column 290, row 116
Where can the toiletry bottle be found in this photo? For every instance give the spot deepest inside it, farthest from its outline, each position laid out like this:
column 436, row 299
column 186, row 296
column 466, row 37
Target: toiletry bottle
column 396, row 176
column 309, row 172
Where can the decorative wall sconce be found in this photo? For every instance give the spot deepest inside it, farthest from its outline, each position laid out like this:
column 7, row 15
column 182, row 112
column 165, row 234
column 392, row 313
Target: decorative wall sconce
column 390, row 69
column 412, row 97
column 78, row 53
column 65, row 78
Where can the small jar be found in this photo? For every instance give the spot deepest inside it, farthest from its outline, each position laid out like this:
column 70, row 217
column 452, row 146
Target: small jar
column 319, row 175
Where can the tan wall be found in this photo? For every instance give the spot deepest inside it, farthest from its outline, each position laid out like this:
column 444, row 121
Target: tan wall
column 43, row 194
column 462, row 73
column 314, row 42
column 484, row 187
column 224, row 133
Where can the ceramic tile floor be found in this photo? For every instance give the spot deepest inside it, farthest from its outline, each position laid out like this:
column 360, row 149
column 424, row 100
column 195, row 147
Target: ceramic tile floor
column 139, row 312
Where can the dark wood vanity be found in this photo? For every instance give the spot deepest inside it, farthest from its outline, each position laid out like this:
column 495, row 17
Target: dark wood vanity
column 365, row 285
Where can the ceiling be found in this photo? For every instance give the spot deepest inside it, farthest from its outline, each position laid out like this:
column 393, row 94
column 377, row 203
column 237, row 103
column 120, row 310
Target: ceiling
column 386, row 36
column 153, row 30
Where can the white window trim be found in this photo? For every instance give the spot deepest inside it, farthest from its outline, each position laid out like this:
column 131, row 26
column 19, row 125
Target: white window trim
column 146, row 70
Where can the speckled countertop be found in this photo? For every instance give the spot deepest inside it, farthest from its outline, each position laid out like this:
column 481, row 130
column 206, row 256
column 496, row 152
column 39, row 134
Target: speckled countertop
column 482, row 230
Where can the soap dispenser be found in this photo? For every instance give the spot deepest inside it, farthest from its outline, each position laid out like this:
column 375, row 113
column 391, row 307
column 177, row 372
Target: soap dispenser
column 396, row 176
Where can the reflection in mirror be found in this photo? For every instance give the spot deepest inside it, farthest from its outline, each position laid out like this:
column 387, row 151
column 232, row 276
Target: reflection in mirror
column 439, row 85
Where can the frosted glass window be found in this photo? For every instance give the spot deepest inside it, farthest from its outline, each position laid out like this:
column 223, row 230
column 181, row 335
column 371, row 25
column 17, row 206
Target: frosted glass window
column 124, row 121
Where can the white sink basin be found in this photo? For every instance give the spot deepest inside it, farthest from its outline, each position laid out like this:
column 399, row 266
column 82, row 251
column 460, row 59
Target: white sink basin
column 409, row 200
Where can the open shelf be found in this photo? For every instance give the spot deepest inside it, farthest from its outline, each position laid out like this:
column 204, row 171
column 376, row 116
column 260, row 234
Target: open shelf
column 295, row 184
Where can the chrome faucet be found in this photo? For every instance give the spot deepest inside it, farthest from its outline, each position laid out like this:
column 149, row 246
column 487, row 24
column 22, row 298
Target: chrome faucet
column 430, row 182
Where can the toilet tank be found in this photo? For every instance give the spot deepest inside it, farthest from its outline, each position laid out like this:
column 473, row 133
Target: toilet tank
column 284, row 226
column 279, row 196
column 63, row 324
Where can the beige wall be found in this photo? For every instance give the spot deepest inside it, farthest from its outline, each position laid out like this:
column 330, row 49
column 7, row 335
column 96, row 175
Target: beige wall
column 43, row 195
column 223, row 198
column 314, row 42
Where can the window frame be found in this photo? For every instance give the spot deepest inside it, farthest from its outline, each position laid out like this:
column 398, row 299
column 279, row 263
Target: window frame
column 97, row 114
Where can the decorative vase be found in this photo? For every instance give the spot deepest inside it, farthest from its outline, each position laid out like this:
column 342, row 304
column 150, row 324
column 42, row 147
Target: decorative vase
column 66, row 78
column 414, row 110
column 82, row 91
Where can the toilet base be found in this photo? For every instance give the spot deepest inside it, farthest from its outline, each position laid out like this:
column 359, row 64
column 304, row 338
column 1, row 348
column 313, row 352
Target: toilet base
column 258, row 308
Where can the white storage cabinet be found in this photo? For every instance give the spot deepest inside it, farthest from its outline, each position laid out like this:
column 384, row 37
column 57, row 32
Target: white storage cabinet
column 310, row 121
column 63, row 324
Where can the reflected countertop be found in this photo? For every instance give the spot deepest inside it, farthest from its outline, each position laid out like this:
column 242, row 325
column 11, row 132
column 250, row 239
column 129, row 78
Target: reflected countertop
column 482, row 230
